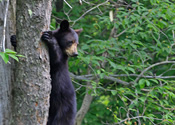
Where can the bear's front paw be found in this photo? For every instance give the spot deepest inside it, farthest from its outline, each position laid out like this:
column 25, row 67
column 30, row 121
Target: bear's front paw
column 47, row 36
column 13, row 40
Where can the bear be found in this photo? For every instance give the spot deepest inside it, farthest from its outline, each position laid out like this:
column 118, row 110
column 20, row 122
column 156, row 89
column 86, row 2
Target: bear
column 62, row 44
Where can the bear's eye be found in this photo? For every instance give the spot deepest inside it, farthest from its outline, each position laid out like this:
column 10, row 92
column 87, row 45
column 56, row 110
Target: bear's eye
column 70, row 43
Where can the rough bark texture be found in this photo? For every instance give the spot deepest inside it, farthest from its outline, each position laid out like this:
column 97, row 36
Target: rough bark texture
column 6, row 74
column 85, row 106
column 5, row 83
column 32, row 80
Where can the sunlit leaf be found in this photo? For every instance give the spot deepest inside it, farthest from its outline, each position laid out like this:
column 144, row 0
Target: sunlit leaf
column 4, row 56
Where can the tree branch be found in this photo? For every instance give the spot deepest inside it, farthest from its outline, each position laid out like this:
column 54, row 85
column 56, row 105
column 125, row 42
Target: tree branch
column 149, row 77
column 156, row 64
column 85, row 105
column 112, row 77
column 91, row 77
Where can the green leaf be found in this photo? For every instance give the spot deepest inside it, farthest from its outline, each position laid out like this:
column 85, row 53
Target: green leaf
column 21, row 56
column 114, row 92
column 5, row 57
column 10, row 51
column 142, row 83
column 138, row 42
column 85, row 47
column 131, row 69
column 14, row 57
column 89, row 91
column 102, row 75
column 153, row 2
column 147, row 82
column 151, row 26
column 112, row 64
column 142, row 99
column 154, row 80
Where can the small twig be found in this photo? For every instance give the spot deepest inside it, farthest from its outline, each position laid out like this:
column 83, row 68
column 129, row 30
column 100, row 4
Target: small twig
column 56, row 18
column 80, row 85
column 138, row 117
column 100, row 11
column 173, row 35
column 170, row 69
column 67, row 14
column 122, row 32
column 90, row 10
column 160, row 30
column 4, row 27
column 116, row 80
column 86, row 2
column 149, row 77
column 68, row 4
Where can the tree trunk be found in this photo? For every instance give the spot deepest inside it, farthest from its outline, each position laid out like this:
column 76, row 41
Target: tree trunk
column 32, row 79
column 6, row 74
column 86, row 103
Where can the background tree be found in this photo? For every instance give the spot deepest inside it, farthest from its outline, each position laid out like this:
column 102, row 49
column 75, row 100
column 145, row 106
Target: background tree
column 7, row 15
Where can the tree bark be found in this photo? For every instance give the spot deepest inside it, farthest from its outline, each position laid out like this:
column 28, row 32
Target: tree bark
column 6, row 73
column 32, row 79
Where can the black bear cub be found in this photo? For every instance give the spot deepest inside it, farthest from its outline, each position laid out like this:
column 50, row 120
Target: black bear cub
column 62, row 43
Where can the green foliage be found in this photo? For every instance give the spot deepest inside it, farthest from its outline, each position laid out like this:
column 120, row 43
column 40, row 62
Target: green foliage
column 138, row 48
column 9, row 53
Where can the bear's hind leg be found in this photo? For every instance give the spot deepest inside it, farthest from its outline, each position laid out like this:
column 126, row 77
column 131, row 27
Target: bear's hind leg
column 65, row 116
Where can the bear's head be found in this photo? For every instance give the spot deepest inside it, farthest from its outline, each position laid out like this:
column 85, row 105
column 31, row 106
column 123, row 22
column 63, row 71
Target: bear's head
column 68, row 38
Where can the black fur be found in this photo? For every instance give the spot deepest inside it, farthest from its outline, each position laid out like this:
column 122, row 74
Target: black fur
column 13, row 41
column 62, row 99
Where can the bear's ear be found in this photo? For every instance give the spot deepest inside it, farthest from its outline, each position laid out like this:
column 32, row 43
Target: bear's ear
column 64, row 25
column 78, row 31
